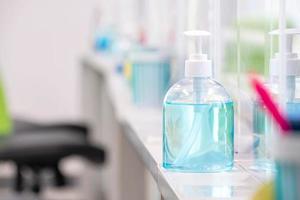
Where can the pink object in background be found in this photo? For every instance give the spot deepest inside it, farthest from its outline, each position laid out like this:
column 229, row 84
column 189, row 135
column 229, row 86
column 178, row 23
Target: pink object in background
column 267, row 100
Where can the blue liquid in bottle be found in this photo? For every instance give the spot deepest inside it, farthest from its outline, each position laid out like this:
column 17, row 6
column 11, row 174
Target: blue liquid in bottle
column 198, row 137
column 293, row 108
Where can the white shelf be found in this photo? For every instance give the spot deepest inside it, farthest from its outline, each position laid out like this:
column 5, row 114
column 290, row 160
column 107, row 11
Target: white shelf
column 143, row 129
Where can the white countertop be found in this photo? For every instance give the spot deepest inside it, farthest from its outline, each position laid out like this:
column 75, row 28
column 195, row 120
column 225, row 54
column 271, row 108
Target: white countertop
column 143, row 129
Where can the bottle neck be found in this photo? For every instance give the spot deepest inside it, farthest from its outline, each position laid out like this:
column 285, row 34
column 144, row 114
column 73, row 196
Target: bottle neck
column 290, row 86
column 199, row 88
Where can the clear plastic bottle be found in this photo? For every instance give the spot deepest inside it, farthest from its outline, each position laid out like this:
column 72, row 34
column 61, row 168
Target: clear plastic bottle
column 262, row 132
column 198, row 120
column 262, row 128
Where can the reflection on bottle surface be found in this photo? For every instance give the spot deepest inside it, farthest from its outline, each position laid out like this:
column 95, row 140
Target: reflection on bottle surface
column 198, row 137
column 261, row 140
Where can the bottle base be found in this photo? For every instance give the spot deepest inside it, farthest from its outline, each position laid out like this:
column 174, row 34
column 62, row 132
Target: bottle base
column 264, row 165
column 198, row 169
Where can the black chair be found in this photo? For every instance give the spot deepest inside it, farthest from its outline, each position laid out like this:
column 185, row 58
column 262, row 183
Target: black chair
column 21, row 125
column 42, row 146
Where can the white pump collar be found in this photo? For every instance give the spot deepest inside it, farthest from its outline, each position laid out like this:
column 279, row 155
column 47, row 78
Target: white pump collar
column 198, row 66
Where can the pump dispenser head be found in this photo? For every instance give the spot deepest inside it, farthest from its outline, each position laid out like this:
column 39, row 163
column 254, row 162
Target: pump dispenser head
column 293, row 59
column 198, row 64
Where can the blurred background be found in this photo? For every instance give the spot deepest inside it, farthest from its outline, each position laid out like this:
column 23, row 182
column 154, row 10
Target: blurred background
column 59, row 98
column 41, row 44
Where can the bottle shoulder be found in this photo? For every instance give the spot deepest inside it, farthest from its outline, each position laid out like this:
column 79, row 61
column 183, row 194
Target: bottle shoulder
column 197, row 91
column 292, row 89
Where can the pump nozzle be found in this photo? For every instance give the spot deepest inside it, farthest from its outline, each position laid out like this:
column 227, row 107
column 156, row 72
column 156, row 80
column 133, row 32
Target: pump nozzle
column 198, row 64
column 292, row 61
column 198, row 36
column 289, row 37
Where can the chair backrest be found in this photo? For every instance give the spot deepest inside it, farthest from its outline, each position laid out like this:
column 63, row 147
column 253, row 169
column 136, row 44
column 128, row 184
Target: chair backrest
column 5, row 118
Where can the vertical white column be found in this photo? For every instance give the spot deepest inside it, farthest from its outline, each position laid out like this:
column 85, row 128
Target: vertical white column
column 282, row 53
column 181, row 19
column 128, row 18
column 215, row 44
column 238, row 109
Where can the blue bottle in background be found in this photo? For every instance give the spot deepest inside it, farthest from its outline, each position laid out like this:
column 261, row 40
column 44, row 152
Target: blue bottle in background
column 150, row 76
column 287, row 177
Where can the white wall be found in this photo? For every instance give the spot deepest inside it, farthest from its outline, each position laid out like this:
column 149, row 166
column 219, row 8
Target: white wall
column 41, row 42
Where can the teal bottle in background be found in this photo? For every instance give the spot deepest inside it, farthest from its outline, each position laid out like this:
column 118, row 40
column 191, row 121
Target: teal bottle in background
column 198, row 120
column 150, row 76
column 287, row 182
